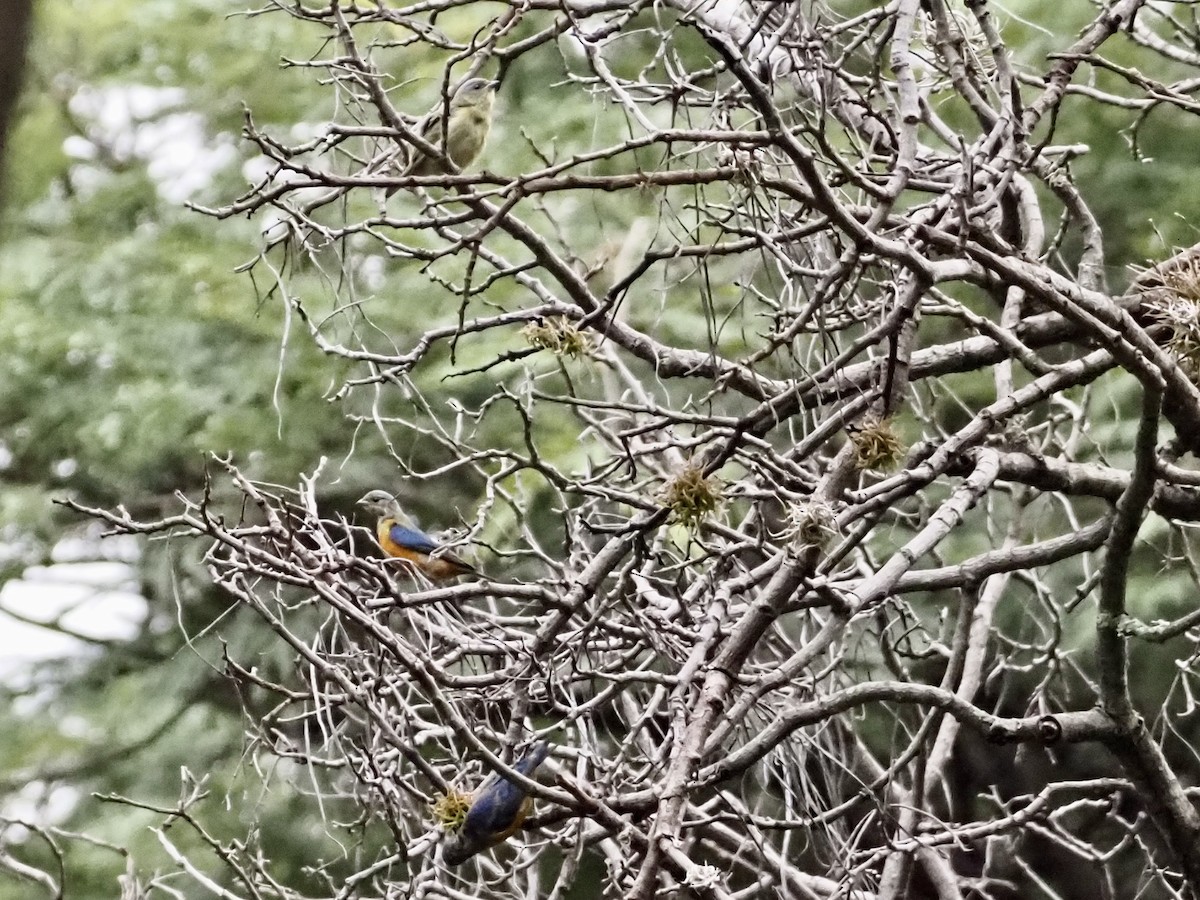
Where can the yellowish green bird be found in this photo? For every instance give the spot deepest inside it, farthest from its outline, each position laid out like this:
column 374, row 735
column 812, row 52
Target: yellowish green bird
column 464, row 134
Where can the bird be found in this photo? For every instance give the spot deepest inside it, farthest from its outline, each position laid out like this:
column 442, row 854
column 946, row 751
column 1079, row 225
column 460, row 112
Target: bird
column 497, row 810
column 400, row 538
column 464, row 135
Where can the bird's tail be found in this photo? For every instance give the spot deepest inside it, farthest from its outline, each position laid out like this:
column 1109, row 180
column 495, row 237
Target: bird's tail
column 532, row 758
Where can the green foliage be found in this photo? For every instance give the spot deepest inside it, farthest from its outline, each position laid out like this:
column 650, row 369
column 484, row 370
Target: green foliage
column 132, row 351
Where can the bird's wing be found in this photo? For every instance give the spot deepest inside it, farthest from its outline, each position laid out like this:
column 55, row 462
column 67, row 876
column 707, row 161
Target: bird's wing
column 495, row 808
column 500, row 800
column 431, row 127
column 411, row 539
column 431, row 130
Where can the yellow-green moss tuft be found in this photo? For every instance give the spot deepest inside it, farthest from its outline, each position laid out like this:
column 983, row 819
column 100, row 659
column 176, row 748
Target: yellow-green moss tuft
column 450, row 809
column 876, row 445
column 812, row 524
column 559, row 335
column 691, row 497
column 1174, row 303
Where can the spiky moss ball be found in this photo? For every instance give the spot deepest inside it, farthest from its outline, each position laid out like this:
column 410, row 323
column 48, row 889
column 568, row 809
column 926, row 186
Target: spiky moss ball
column 450, row 809
column 559, row 335
column 1174, row 303
column 876, row 445
column 812, row 524
column 704, row 877
column 691, row 497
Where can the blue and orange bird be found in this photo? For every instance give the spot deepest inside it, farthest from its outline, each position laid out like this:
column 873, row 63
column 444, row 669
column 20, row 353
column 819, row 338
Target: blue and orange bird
column 498, row 808
column 400, row 538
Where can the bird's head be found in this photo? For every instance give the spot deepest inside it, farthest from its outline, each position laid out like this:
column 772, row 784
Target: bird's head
column 475, row 92
column 460, row 847
column 383, row 503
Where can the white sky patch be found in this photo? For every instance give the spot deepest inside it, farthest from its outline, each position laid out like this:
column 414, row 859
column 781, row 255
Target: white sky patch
column 127, row 122
column 89, row 590
column 373, row 271
column 41, row 805
column 96, row 599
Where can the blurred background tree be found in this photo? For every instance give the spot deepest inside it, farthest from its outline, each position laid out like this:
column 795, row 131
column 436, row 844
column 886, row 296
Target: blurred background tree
column 422, row 346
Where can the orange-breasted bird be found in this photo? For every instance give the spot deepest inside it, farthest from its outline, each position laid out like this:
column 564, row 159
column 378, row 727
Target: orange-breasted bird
column 497, row 810
column 400, row 538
